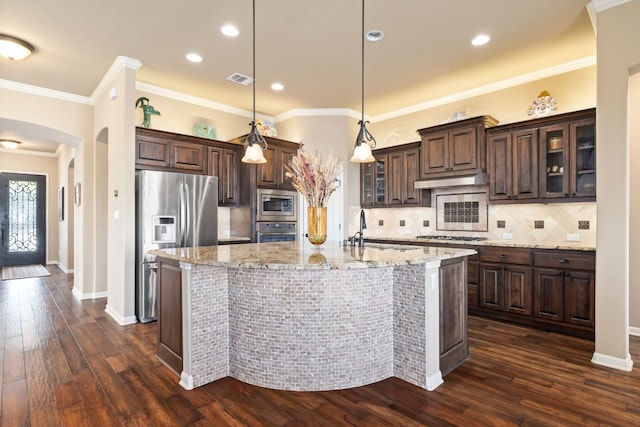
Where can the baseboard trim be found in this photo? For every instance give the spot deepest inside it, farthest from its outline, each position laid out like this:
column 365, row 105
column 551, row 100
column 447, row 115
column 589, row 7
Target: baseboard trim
column 634, row 330
column 90, row 295
column 613, row 362
column 186, row 381
column 434, row 380
column 64, row 269
column 122, row 320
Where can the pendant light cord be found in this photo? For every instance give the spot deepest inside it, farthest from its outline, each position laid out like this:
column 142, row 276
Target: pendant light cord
column 254, row 61
column 362, row 63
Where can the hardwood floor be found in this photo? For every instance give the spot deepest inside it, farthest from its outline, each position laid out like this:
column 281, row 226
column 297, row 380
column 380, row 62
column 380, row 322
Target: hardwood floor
column 66, row 362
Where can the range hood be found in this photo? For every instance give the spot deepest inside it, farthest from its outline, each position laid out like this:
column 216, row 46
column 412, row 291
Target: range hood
column 457, row 181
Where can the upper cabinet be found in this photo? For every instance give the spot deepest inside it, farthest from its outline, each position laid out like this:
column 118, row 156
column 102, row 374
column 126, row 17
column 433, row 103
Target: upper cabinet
column 545, row 160
column 160, row 150
column 513, row 164
column 164, row 150
column 568, row 159
column 278, row 155
column 454, row 149
column 389, row 181
column 223, row 163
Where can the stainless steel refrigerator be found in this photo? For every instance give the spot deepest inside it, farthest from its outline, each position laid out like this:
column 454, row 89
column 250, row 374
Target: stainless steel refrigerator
column 172, row 210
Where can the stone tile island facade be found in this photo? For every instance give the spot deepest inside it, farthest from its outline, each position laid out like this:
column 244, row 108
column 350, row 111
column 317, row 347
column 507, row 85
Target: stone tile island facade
column 290, row 316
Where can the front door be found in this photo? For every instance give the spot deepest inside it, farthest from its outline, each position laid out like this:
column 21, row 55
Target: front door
column 22, row 219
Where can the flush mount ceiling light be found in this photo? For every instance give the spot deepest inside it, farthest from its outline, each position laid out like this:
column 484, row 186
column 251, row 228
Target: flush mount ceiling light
column 365, row 141
column 277, row 86
column 230, row 30
column 14, row 48
column 9, row 143
column 255, row 141
column 480, row 39
column 194, row 57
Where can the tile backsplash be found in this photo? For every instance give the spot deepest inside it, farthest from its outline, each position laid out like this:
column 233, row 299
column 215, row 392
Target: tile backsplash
column 517, row 220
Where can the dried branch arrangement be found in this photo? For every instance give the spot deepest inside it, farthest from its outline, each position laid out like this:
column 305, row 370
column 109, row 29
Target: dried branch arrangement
column 315, row 177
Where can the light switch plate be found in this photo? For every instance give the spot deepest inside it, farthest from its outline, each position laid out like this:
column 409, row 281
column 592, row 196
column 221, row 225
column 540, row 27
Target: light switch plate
column 573, row 237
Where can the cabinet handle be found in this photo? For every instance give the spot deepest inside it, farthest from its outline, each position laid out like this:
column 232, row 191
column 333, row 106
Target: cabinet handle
column 564, row 261
column 504, row 256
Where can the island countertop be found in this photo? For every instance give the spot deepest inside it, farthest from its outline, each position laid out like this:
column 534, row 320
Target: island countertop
column 301, row 255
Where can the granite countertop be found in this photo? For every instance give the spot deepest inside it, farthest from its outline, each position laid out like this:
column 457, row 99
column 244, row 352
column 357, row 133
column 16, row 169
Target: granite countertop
column 572, row 246
column 231, row 239
column 302, row 255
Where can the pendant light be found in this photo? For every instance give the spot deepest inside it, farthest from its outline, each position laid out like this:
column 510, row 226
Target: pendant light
column 255, row 141
column 365, row 141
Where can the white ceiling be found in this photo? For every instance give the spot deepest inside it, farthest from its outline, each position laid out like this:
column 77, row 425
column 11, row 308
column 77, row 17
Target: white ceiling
column 312, row 47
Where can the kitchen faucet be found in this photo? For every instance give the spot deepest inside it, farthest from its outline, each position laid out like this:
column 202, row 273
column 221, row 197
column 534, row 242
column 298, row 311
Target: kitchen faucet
column 363, row 225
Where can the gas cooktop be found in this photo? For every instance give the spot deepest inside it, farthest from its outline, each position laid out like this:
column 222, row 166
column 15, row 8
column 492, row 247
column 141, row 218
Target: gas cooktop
column 459, row 238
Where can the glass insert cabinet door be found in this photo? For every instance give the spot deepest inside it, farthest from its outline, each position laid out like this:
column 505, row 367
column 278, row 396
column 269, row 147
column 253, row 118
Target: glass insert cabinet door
column 568, row 160
column 583, row 179
column 373, row 182
column 22, row 219
column 555, row 161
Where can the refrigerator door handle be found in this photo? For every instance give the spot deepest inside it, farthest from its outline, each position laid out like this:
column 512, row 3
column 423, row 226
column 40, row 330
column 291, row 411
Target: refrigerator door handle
column 183, row 215
column 187, row 222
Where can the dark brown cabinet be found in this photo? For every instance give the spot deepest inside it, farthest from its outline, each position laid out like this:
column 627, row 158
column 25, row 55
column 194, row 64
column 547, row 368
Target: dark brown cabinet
column 568, row 159
column 564, row 287
column 454, row 149
column 550, row 159
column 169, row 346
column 389, row 181
column 223, row 163
column 164, row 150
column 505, row 280
column 454, row 344
column 373, row 188
column 272, row 173
column 161, row 150
column 513, row 164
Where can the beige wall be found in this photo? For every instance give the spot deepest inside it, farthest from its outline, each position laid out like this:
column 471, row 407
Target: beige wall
column 575, row 90
column 634, row 208
column 618, row 35
column 39, row 165
column 180, row 116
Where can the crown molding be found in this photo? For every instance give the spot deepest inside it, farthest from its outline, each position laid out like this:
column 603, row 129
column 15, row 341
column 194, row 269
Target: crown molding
column 124, row 62
column 119, row 64
column 190, row 99
column 600, row 5
column 28, row 152
column 493, row 87
column 325, row 112
column 41, row 91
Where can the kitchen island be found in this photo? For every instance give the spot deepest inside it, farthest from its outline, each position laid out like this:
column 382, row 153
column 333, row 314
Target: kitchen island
column 292, row 316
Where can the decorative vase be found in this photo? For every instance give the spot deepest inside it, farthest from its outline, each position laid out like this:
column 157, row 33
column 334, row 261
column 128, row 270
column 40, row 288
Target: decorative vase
column 317, row 224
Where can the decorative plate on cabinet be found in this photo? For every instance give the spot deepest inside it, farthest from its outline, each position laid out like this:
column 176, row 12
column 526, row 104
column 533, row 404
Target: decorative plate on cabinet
column 205, row 130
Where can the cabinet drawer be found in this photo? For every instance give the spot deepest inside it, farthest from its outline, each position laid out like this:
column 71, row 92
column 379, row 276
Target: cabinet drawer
column 565, row 260
column 505, row 255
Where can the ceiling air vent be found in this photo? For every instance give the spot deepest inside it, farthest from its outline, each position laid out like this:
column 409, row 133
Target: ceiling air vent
column 240, row 79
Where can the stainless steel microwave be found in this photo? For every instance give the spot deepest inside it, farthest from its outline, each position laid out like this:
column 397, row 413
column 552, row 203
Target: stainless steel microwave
column 277, row 205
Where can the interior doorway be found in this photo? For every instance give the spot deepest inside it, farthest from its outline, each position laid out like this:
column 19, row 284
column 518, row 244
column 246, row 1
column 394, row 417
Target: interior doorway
column 22, row 219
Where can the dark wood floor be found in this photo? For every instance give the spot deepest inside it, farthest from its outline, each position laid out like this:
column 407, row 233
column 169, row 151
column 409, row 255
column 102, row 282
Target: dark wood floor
column 65, row 362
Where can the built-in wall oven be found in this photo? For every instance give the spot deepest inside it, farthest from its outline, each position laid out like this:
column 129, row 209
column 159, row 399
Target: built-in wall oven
column 277, row 215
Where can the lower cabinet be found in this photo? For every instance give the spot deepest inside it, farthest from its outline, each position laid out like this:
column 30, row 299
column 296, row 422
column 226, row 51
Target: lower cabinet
column 169, row 349
column 454, row 345
column 564, row 288
column 505, row 280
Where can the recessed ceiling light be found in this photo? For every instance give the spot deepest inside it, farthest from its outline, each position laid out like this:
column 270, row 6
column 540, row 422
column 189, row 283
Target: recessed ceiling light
column 230, row 30
column 277, row 86
column 480, row 39
column 194, row 57
column 375, row 35
column 13, row 48
column 8, row 143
